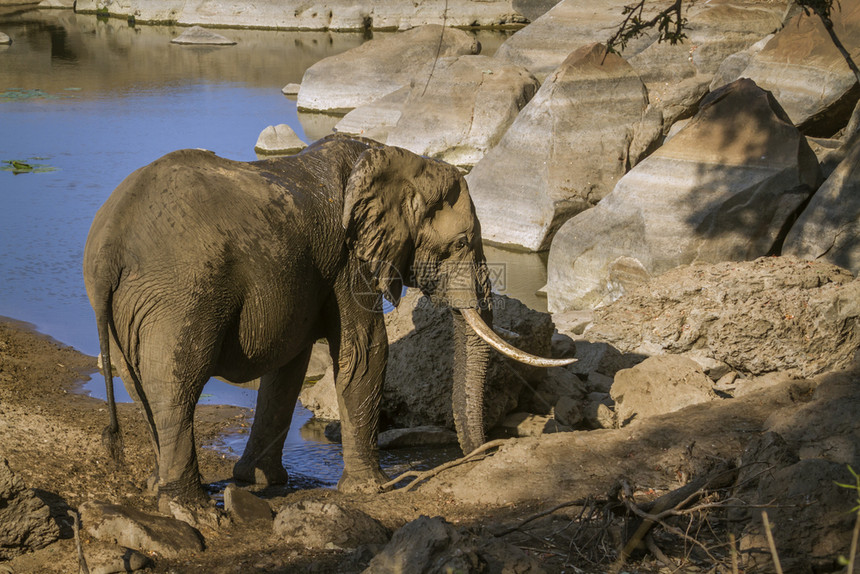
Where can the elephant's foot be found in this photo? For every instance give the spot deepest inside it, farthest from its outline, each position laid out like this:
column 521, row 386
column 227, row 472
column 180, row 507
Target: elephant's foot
column 367, row 482
column 260, row 472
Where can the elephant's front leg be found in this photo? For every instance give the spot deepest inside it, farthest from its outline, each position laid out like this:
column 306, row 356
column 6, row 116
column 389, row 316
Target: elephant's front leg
column 361, row 360
column 261, row 463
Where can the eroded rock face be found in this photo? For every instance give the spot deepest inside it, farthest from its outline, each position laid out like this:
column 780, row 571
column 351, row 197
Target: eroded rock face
column 327, row 525
column 772, row 314
column 829, row 227
column 806, row 72
column 464, row 109
column 379, row 67
column 25, row 521
column 564, row 152
column 722, row 189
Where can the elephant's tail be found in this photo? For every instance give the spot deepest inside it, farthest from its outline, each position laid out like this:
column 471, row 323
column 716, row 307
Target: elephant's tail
column 111, row 437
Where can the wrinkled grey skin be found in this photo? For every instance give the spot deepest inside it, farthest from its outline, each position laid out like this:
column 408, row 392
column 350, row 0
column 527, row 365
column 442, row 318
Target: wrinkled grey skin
column 198, row 266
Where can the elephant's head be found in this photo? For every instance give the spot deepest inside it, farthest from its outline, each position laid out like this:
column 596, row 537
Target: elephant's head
column 411, row 222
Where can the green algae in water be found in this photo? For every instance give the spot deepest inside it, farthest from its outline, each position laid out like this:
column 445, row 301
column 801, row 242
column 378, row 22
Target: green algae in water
column 20, row 94
column 17, row 166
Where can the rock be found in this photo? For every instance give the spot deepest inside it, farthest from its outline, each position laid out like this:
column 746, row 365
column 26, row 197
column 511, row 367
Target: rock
column 543, row 45
column 527, row 424
column 25, row 521
column 4, row 39
column 133, row 528
column 291, row 89
column 659, row 385
column 379, row 67
column 298, row 15
column 198, row 35
column 733, row 66
column 320, row 361
column 321, row 397
column 557, row 382
column 327, row 525
column 416, row 436
column 246, row 508
column 463, row 110
column 723, row 189
column 104, row 558
column 774, row 314
column 279, row 140
column 434, row 546
column 597, row 382
column 806, row 73
column 677, row 76
column 547, row 168
column 829, row 226
column 376, row 119
column 568, row 411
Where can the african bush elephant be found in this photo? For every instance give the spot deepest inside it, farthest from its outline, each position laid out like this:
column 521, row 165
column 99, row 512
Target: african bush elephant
column 198, row 266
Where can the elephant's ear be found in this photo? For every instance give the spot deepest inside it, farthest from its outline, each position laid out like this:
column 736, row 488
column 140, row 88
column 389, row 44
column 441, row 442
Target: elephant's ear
column 387, row 196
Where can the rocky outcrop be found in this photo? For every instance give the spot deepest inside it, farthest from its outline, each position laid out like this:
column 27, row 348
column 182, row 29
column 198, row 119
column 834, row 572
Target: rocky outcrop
column 563, row 153
column 724, row 188
column 327, row 525
column 419, row 378
column 829, row 227
column 279, row 140
column 772, row 314
column 379, row 67
column 202, row 36
column 25, row 521
column 659, row 385
column 433, row 545
column 463, row 110
column 133, row 528
column 806, row 72
column 376, row 119
column 295, row 15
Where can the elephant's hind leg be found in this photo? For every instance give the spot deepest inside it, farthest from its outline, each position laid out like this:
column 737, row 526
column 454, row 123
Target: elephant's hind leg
column 276, row 400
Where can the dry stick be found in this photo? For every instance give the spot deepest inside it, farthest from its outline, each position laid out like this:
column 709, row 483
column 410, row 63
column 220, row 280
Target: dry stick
column 76, row 528
column 734, row 552
column 541, row 514
column 422, row 476
column 770, row 542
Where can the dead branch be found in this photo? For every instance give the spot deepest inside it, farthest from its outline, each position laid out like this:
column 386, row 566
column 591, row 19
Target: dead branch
column 420, row 476
column 541, row 514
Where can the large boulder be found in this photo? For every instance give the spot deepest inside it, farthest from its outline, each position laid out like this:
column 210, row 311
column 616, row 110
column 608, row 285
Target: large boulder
column 379, row 67
column 463, row 110
column 327, row 525
column 829, row 227
column 419, row 377
column 301, row 15
column 544, row 44
column 772, row 314
column 724, row 188
column 563, row 153
column 677, row 76
column 25, row 521
column 806, row 72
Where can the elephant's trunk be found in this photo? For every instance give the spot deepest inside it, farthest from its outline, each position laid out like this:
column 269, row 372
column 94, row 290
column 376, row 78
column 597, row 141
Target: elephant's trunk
column 471, row 357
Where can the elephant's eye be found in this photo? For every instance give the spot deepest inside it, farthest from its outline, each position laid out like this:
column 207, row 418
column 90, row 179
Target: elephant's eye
column 461, row 244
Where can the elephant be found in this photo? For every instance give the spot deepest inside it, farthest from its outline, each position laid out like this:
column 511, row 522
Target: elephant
column 199, row 266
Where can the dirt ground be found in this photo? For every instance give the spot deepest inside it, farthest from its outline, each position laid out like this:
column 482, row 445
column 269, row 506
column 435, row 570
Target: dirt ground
column 51, row 438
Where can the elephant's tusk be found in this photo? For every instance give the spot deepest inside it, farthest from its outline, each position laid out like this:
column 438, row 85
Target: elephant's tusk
column 473, row 318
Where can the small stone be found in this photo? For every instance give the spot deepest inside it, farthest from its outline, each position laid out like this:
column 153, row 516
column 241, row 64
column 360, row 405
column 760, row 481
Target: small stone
column 198, row 35
column 291, row 89
column 246, row 508
column 107, row 558
column 568, row 411
column 4, row 39
column 279, row 140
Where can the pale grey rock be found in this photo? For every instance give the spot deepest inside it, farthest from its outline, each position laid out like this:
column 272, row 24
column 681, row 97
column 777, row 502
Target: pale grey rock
column 202, row 36
column 291, row 89
column 723, row 189
column 106, row 558
column 299, row 15
column 829, row 227
column 321, row 397
column 564, row 152
column 416, row 436
column 319, row 362
column 463, row 110
column 544, row 44
column 246, row 508
column 327, row 525
column 734, row 65
column 379, row 67
column 376, row 119
column 757, row 317
column 25, row 521
column 807, row 74
column 279, row 140
column 5, row 39
column 133, row 528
